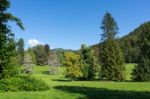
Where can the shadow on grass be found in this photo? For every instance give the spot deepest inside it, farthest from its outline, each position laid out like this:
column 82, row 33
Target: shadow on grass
column 102, row 93
column 62, row 80
column 45, row 72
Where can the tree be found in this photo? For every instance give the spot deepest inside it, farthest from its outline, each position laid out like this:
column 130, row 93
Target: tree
column 90, row 63
column 7, row 44
column 109, row 27
column 54, row 59
column 28, row 63
column 73, row 65
column 111, row 55
column 32, row 54
column 20, row 51
column 112, row 61
column 47, row 51
column 41, row 57
column 142, row 70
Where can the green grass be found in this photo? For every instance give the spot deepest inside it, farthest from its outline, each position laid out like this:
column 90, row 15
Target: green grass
column 129, row 68
column 62, row 88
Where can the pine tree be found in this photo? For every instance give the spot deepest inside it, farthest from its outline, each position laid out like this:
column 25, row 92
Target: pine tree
column 20, row 51
column 142, row 70
column 90, row 63
column 7, row 44
column 111, row 55
column 109, row 27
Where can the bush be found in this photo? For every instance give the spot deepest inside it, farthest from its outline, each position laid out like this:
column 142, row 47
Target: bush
column 22, row 83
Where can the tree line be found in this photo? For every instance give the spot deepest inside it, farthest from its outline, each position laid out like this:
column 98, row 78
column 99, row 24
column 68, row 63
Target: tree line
column 112, row 53
column 83, row 64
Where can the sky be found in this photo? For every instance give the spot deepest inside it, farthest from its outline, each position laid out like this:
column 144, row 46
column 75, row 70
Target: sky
column 69, row 23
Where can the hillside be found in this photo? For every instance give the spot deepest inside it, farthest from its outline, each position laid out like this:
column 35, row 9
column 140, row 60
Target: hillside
column 129, row 45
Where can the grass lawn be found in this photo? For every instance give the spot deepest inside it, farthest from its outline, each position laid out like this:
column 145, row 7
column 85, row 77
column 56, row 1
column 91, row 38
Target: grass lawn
column 62, row 88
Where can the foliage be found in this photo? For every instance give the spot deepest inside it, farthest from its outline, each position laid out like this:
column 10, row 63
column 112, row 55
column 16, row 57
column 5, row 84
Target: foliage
column 47, row 51
column 142, row 70
column 41, row 57
column 20, row 51
column 109, row 27
column 112, row 61
column 111, row 55
column 27, row 63
column 73, row 65
column 130, row 47
column 32, row 55
column 7, row 44
column 54, row 59
column 90, row 63
column 22, row 83
column 61, row 87
column 57, row 56
column 129, row 44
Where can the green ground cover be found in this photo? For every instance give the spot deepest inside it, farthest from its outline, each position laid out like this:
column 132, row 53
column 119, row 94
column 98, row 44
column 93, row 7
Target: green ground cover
column 62, row 88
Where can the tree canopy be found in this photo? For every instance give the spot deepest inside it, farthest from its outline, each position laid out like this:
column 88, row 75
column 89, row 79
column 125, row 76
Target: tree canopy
column 7, row 43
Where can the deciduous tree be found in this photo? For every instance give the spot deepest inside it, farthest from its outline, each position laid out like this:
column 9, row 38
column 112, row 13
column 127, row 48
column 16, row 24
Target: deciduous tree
column 73, row 65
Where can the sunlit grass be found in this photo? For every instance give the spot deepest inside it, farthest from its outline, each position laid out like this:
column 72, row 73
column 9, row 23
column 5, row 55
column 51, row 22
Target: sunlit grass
column 63, row 88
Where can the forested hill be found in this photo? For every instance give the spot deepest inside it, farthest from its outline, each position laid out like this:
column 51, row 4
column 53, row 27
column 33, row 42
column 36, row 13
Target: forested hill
column 129, row 44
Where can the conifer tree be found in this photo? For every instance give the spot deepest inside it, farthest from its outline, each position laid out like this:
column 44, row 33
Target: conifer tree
column 41, row 57
column 90, row 63
column 7, row 44
column 20, row 51
column 111, row 55
column 142, row 70
column 47, row 51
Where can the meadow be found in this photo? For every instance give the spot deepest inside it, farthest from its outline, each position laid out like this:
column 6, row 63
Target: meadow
column 63, row 88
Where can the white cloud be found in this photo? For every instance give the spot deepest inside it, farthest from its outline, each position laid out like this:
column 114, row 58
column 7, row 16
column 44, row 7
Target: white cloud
column 34, row 42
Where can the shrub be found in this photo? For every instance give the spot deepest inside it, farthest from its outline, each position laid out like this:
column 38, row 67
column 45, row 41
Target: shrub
column 22, row 83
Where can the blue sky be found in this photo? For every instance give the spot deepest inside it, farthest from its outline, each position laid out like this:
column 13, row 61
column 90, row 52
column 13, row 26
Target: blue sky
column 69, row 23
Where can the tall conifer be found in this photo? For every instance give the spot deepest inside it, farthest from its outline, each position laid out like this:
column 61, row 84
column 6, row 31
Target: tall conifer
column 111, row 55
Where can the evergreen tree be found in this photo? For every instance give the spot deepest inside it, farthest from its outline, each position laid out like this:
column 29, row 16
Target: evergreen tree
column 142, row 70
column 112, row 61
column 47, row 51
column 109, row 27
column 111, row 55
column 41, row 57
column 90, row 63
column 20, row 51
column 7, row 44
